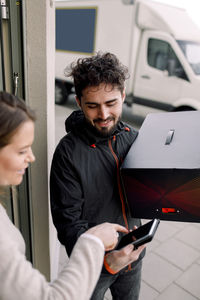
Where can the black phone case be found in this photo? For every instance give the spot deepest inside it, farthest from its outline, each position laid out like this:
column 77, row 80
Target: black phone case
column 140, row 236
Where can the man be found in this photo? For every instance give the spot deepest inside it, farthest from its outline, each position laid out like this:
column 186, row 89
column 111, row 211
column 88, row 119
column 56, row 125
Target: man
column 85, row 180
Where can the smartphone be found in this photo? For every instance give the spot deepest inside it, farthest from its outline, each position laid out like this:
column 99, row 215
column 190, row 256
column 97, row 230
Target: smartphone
column 139, row 236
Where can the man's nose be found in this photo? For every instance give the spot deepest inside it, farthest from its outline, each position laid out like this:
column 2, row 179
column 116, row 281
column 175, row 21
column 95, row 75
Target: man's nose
column 103, row 113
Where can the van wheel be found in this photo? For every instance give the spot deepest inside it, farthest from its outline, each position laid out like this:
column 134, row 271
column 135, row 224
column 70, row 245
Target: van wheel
column 60, row 93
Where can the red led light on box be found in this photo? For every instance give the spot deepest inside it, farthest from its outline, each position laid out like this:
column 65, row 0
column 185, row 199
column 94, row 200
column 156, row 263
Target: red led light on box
column 166, row 210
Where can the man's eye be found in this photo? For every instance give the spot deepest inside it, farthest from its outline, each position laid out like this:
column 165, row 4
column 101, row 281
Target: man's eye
column 91, row 106
column 111, row 104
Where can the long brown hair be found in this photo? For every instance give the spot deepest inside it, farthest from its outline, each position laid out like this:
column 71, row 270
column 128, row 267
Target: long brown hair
column 13, row 112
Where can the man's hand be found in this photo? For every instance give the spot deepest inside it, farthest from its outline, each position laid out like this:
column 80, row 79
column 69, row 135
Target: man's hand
column 108, row 233
column 119, row 259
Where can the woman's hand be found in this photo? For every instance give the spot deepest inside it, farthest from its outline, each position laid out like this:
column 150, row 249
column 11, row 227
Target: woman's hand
column 108, row 233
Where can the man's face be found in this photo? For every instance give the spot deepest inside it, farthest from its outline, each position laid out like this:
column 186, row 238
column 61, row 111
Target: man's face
column 102, row 107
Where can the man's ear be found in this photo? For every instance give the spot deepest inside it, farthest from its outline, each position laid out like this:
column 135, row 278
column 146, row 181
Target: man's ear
column 78, row 101
column 124, row 94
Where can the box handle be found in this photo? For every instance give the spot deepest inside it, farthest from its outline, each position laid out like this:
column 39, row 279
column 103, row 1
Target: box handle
column 169, row 136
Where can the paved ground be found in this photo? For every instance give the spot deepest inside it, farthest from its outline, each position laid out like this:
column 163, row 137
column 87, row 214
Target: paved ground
column 171, row 268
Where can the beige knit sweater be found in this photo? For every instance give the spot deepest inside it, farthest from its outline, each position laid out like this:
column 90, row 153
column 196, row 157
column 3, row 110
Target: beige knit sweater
column 20, row 281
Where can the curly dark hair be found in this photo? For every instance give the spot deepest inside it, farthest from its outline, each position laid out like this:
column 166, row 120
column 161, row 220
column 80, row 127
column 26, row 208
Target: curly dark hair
column 100, row 68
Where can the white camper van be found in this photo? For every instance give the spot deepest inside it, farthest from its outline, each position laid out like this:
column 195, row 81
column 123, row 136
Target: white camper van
column 159, row 43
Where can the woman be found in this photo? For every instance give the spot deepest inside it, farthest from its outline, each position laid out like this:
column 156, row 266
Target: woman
column 18, row 279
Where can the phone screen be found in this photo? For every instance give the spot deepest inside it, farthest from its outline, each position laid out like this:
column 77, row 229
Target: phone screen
column 140, row 236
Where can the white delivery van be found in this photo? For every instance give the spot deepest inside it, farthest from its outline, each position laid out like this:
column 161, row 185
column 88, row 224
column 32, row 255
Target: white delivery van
column 159, row 43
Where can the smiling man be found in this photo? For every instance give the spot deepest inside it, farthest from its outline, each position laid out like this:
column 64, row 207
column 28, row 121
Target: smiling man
column 85, row 180
column 102, row 107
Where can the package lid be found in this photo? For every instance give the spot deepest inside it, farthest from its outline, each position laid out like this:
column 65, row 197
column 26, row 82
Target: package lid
column 166, row 140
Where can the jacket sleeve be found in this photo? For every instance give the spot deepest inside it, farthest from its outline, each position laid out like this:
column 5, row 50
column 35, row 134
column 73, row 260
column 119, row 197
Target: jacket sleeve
column 67, row 198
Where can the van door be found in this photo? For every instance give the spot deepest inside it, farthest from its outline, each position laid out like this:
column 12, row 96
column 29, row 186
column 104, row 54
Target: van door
column 154, row 85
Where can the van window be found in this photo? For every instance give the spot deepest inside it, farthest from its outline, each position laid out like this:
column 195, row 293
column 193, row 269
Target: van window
column 75, row 29
column 160, row 53
column 191, row 51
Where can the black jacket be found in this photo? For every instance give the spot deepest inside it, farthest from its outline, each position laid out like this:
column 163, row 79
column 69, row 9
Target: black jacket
column 85, row 183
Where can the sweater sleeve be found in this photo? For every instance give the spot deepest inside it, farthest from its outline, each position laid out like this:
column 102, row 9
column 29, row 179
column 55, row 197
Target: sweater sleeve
column 20, row 281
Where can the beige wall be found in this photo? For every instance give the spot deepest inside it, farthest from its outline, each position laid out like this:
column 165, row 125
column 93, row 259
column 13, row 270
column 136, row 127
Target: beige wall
column 39, row 47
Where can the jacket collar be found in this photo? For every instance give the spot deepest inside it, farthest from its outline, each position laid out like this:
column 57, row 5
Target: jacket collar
column 77, row 124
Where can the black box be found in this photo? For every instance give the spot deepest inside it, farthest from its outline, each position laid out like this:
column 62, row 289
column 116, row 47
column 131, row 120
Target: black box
column 161, row 172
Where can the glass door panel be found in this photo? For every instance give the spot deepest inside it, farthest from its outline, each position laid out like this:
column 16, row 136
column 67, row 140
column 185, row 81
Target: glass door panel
column 15, row 199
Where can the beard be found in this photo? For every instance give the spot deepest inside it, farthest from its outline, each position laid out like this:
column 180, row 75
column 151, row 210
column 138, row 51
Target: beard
column 103, row 132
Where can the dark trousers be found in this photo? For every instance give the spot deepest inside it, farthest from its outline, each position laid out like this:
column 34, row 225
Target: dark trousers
column 123, row 286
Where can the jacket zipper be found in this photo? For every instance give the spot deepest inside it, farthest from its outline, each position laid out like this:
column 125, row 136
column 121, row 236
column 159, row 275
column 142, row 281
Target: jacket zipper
column 119, row 183
column 119, row 187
